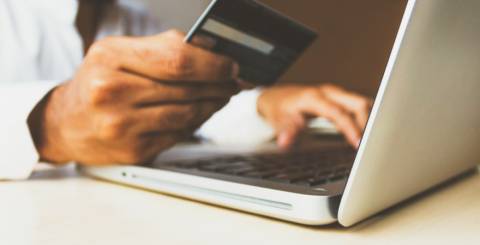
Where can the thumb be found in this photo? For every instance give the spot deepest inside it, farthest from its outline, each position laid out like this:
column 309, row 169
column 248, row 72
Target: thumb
column 203, row 41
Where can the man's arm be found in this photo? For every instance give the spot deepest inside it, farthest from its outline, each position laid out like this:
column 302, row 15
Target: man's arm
column 17, row 149
column 124, row 105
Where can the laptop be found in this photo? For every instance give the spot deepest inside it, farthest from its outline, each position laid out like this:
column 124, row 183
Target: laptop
column 423, row 130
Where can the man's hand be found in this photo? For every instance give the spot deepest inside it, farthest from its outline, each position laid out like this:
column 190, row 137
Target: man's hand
column 133, row 98
column 287, row 108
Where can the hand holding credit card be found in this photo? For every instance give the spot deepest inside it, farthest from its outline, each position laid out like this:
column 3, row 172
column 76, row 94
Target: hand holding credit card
column 264, row 42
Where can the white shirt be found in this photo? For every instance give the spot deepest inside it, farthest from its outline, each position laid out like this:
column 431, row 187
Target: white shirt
column 40, row 47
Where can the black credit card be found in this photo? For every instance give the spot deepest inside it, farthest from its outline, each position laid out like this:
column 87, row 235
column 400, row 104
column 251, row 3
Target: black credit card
column 263, row 41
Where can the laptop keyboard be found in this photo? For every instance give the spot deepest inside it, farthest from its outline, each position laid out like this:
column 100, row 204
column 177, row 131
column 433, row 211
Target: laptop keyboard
column 309, row 169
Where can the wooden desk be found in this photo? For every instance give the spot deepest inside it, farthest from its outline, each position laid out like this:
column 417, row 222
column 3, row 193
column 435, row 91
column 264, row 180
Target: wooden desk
column 60, row 207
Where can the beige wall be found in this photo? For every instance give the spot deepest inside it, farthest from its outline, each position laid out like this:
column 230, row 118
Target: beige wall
column 180, row 14
column 355, row 37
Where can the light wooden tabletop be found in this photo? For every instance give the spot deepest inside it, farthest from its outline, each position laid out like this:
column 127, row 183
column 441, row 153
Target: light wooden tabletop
column 61, row 207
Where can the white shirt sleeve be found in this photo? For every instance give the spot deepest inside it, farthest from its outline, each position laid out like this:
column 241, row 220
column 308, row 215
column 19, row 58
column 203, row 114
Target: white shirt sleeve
column 17, row 150
column 238, row 123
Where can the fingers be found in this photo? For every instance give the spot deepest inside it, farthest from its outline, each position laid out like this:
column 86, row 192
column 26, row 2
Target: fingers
column 157, row 143
column 359, row 105
column 161, row 94
column 120, row 87
column 288, row 130
column 282, row 104
column 144, row 149
column 205, row 66
column 203, row 41
column 159, row 128
column 175, row 117
column 345, row 123
column 163, row 57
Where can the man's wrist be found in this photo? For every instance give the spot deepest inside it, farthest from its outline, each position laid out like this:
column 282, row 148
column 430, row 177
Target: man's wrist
column 45, row 131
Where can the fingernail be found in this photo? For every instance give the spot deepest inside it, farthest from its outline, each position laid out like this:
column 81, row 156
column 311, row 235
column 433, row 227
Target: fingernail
column 235, row 70
column 284, row 140
column 358, row 143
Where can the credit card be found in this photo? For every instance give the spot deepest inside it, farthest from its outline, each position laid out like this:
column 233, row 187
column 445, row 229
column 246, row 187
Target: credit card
column 263, row 41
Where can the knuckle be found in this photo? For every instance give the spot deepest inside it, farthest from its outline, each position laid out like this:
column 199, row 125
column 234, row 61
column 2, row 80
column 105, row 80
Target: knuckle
column 113, row 128
column 100, row 48
column 101, row 90
column 189, row 114
column 312, row 94
column 225, row 67
column 175, row 33
column 180, row 64
column 102, row 53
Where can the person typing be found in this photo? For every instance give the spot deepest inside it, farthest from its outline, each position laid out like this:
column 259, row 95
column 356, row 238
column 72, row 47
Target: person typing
column 96, row 84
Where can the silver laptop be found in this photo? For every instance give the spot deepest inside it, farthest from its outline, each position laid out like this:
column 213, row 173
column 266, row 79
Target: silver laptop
column 424, row 129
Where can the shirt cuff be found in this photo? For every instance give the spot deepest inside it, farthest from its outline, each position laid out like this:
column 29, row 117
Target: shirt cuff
column 17, row 149
column 238, row 123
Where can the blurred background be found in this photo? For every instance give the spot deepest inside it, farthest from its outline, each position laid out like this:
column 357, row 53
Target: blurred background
column 180, row 14
column 354, row 43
